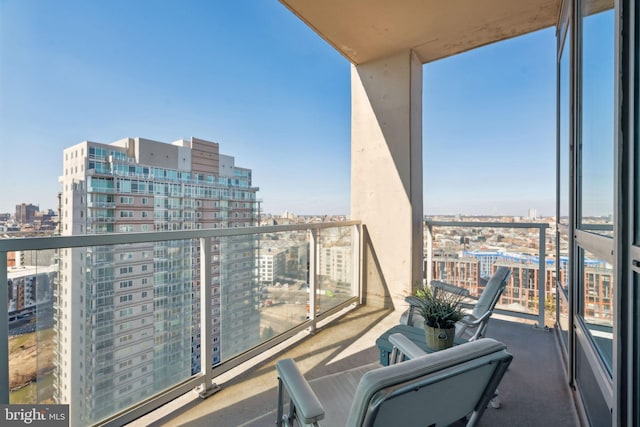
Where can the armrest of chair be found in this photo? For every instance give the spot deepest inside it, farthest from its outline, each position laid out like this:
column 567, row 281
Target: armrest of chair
column 412, row 300
column 406, row 346
column 480, row 323
column 308, row 407
column 407, row 316
column 474, row 322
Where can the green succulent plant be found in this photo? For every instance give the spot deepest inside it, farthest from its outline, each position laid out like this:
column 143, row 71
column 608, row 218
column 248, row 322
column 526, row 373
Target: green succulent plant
column 439, row 309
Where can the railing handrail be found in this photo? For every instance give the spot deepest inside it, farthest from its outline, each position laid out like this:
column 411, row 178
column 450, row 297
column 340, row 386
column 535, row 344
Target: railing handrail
column 540, row 225
column 56, row 242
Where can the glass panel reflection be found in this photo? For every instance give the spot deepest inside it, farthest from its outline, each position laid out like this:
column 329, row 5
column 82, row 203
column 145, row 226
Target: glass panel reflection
column 563, row 319
column 636, row 350
column 31, row 281
column 283, row 274
column 468, row 256
column 596, row 307
column 636, row 165
column 239, row 321
column 597, row 127
column 103, row 328
column 335, row 271
column 564, row 162
column 564, row 122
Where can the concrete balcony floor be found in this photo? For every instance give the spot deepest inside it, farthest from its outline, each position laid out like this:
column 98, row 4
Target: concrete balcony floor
column 533, row 392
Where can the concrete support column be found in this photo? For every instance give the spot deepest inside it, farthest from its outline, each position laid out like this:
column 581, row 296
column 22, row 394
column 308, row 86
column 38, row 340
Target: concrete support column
column 386, row 174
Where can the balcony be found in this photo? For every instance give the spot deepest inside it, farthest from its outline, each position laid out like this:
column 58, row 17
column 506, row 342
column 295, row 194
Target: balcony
column 345, row 330
column 386, row 45
column 533, row 392
column 101, row 205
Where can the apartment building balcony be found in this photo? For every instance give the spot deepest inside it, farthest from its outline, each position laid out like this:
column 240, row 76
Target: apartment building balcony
column 101, row 205
column 567, row 360
column 345, row 329
column 101, row 219
column 533, row 392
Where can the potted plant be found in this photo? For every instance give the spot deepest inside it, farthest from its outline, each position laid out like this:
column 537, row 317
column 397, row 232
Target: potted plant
column 440, row 311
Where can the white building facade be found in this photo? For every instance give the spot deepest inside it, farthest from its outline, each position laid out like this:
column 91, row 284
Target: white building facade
column 127, row 316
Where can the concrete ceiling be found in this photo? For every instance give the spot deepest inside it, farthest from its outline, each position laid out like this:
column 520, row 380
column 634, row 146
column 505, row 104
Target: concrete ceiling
column 365, row 30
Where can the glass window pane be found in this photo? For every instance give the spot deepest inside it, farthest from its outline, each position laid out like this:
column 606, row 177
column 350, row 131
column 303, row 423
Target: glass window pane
column 335, row 270
column 593, row 400
column 636, row 167
column 636, row 350
column 596, row 305
column 564, row 122
column 31, row 289
column 470, row 263
column 597, row 127
column 283, row 273
column 563, row 317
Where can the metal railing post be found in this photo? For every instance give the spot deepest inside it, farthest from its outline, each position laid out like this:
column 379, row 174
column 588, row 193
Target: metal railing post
column 542, row 264
column 4, row 332
column 429, row 266
column 206, row 341
column 313, row 276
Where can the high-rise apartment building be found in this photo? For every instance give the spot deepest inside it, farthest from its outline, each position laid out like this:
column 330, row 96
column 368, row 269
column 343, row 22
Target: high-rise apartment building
column 128, row 316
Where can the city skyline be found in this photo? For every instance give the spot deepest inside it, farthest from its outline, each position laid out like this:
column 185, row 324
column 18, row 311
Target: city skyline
column 256, row 79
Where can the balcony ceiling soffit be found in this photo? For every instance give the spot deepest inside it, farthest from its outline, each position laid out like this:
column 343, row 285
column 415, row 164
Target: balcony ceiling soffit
column 365, row 30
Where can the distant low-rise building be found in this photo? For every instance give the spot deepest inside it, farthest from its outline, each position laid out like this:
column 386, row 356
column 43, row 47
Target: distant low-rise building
column 272, row 263
column 26, row 213
column 462, row 272
column 29, row 285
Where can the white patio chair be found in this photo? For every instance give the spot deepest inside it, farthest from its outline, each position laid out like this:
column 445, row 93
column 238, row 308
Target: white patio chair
column 434, row 389
column 474, row 324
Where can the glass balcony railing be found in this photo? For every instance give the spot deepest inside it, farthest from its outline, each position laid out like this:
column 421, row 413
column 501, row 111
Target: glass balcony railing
column 117, row 325
column 465, row 254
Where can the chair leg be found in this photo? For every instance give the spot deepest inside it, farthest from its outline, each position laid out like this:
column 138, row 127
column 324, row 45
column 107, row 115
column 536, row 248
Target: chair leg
column 280, row 403
column 292, row 415
column 495, row 402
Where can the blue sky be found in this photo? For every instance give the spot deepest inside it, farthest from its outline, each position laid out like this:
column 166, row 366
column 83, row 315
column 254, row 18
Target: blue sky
column 252, row 77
